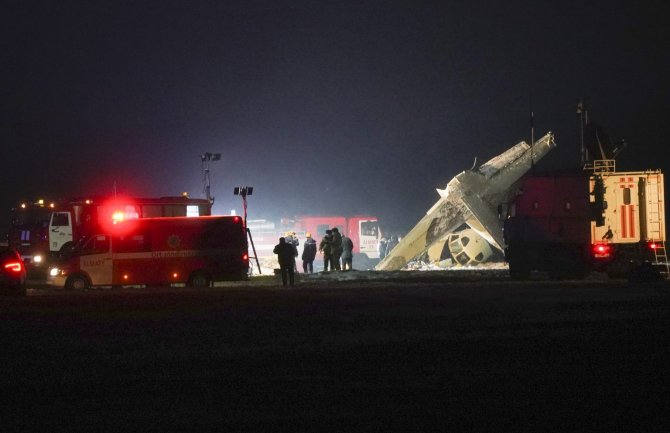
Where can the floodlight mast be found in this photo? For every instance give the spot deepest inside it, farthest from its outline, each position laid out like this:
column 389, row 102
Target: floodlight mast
column 244, row 191
column 206, row 158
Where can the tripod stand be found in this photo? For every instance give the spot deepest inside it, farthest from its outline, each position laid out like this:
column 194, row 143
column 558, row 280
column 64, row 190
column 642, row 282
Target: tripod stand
column 252, row 247
column 244, row 191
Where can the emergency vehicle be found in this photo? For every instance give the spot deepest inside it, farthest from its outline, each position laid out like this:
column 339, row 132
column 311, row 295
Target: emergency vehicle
column 41, row 230
column 29, row 232
column 158, row 251
column 363, row 230
column 80, row 218
column 570, row 223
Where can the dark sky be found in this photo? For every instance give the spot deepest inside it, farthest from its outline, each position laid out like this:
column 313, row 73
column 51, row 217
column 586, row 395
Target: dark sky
column 342, row 107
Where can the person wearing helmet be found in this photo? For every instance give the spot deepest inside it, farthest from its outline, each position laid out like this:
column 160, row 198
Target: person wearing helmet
column 292, row 240
column 308, row 254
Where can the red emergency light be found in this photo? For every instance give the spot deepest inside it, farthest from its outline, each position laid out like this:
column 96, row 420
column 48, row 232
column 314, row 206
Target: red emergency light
column 653, row 245
column 601, row 250
column 14, row 266
column 118, row 216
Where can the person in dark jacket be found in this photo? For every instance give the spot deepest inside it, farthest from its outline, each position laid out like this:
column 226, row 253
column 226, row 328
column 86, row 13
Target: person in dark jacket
column 347, row 253
column 308, row 254
column 292, row 240
column 381, row 248
column 286, row 258
column 336, row 249
column 324, row 248
column 391, row 244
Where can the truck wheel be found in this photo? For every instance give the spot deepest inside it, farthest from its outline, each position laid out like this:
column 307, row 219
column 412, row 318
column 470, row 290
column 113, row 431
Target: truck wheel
column 199, row 279
column 519, row 268
column 66, row 250
column 77, row 282
column 519, row 272
column 644, row 273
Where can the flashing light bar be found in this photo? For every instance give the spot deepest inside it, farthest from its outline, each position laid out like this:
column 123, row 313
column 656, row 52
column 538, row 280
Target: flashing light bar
column 118, row 216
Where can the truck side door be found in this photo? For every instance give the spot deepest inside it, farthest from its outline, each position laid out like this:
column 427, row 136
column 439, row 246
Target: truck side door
column 60, row 230
column 95, row 258
column 369, row 236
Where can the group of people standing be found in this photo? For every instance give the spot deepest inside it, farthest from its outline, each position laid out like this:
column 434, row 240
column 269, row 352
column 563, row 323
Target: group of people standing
column 334, row 246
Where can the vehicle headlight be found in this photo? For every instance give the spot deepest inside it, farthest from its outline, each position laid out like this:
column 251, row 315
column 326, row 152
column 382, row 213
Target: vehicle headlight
column 37, row 258
column 54, row 272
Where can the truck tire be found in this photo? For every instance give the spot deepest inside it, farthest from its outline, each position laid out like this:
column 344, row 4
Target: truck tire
column 199, row 279
column 644, row 273
column 519, row 272
column 66, row 250
column 77, row 282
column 519, row 267
column 567, row 263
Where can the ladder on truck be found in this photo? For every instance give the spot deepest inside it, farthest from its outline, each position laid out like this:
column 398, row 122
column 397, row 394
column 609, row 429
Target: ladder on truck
column 656, row 222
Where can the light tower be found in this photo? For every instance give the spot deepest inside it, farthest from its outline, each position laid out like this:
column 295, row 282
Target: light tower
column 206, row 158
column 244, row 191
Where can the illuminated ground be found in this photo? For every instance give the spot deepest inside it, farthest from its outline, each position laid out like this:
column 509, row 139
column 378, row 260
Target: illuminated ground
column 423, row 351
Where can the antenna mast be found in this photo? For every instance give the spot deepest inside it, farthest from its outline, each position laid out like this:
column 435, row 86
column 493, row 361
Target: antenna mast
column 532, row 130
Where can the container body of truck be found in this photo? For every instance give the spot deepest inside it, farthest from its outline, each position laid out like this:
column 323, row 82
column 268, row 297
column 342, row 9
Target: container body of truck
column 571, row 223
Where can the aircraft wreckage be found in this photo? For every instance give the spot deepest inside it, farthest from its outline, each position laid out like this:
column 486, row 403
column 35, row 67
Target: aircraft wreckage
column 471, row 198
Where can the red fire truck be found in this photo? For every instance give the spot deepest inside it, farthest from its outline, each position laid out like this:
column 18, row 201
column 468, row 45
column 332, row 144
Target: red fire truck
column 157, row 251
column 363, row 230
column 40, row 231
column 29, row 232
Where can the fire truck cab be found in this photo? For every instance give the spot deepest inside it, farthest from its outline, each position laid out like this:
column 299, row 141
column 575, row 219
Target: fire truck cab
column 29, row 233
column 363, row 230
column 158, row 251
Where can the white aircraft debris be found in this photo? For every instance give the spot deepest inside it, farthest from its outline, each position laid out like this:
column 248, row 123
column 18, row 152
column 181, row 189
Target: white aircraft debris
column 473, row 198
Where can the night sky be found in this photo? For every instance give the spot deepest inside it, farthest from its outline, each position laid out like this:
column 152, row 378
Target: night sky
column 342, row 107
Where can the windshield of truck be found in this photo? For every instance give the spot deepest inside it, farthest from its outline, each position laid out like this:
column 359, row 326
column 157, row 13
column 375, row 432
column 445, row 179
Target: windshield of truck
column 369, row 228
column 32, row 217
column 60, row 219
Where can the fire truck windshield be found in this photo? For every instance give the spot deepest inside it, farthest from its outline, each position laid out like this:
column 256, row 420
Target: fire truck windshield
column 38, row 216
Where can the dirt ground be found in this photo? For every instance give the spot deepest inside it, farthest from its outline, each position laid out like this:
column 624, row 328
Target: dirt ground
column 431, row 351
